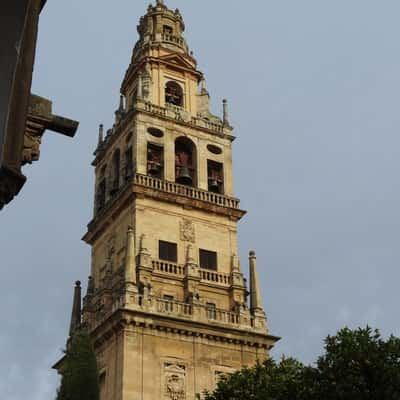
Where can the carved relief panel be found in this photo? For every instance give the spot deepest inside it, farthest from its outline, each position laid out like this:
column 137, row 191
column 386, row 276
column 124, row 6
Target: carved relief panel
column 174, row 381
column 188, row 233
column 219, row 372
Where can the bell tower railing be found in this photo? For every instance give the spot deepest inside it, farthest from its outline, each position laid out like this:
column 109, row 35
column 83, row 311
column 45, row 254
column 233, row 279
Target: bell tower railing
column 202, row 313
column 188, row 191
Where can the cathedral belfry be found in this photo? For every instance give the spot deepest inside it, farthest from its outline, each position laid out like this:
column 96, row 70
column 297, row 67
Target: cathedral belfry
column 167, row 303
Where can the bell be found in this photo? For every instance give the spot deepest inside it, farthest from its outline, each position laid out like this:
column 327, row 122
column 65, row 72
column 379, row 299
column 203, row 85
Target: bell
column 184, row 177
column 214, row 187
column 154, row 168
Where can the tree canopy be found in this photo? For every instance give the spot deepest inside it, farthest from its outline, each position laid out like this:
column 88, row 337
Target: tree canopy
column 356, row 365
column 80, row 379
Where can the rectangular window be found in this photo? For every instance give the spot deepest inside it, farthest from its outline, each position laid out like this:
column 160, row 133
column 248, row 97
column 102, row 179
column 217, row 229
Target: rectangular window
column 167, row 251
column 215, row 171
column 208, row 259
column 211, row 311
column 168, row 303
column 155, row 161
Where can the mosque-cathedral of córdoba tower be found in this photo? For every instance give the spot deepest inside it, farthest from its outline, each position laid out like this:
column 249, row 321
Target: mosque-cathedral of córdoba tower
column 166, row 303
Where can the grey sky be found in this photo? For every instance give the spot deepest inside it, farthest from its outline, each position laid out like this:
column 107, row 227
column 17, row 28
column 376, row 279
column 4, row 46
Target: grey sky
column 314, row 91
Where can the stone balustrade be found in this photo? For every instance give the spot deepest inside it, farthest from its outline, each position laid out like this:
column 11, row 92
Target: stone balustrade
column 203, row 123
column 168, row 268
column 167, row 38
column 174, row 40
column 179, row 114
column 206, row 275
column 195, row 312
column 188, row 191
column 154, row 109
column 215, row 277
column 174, row 108
column 173, row 307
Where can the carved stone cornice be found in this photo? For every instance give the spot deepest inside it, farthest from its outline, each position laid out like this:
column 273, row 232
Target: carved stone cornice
column 125, row 319
column 137, row 188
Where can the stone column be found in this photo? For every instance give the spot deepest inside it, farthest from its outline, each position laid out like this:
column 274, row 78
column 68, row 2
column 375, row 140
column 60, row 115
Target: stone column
column 76, row 309
column 255, row 293
column 130, row 262
column 225, row 112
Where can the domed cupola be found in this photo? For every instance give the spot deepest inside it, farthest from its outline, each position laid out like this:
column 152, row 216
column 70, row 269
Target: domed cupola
column 163, row 26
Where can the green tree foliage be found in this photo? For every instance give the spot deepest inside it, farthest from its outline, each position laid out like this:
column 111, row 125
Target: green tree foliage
column 267, row 381
column 356, row 365
column 80, row 379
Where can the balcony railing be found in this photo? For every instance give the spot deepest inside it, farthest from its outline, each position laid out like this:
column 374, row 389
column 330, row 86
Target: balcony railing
column 173, row 39
column 173, row 107
column 215, row 277
column 176, row 113
column 187, row 191
column 206, row 275
column 168, row 268
column 198, row 312
column 174, row 307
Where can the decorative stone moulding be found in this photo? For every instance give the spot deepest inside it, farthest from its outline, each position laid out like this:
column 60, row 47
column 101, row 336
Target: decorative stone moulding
column 214, row 149
column 155, row 132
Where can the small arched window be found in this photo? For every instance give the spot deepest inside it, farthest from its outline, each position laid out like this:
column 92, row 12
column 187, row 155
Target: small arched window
column 185, row 162
column 101, row 189
column 173, row 94
column 116, row 164
column 128, row 163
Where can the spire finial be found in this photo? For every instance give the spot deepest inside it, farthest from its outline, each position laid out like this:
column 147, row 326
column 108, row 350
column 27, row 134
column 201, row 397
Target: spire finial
column 225, row 108
column 255, row 293
column 76, row 309
column 121, row 102
column 90, row 286
column 101, row 134
column 203, row 86
column 143, row 244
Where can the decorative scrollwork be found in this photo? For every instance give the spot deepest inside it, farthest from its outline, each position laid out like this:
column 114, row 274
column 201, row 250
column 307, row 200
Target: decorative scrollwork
column 188, row 233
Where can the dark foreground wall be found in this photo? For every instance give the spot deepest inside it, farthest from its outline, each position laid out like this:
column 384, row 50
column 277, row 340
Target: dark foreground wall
column 18, row 34
column 12, row 24
column 23, row 117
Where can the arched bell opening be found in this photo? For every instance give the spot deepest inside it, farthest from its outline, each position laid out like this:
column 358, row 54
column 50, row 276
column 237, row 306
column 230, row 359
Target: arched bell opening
column 173, row 94
column 101, row 189
column 155, row 160
column 215, row 172
column 128, row 163
column 115, row 178
column 185, row 162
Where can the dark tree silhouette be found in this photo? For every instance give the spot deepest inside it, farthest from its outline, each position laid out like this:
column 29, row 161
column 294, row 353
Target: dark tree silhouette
column 357, row 365
column 80, row 378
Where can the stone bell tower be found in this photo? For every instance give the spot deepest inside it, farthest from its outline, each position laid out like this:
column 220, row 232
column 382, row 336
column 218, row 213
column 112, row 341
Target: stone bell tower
column 167, row 301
